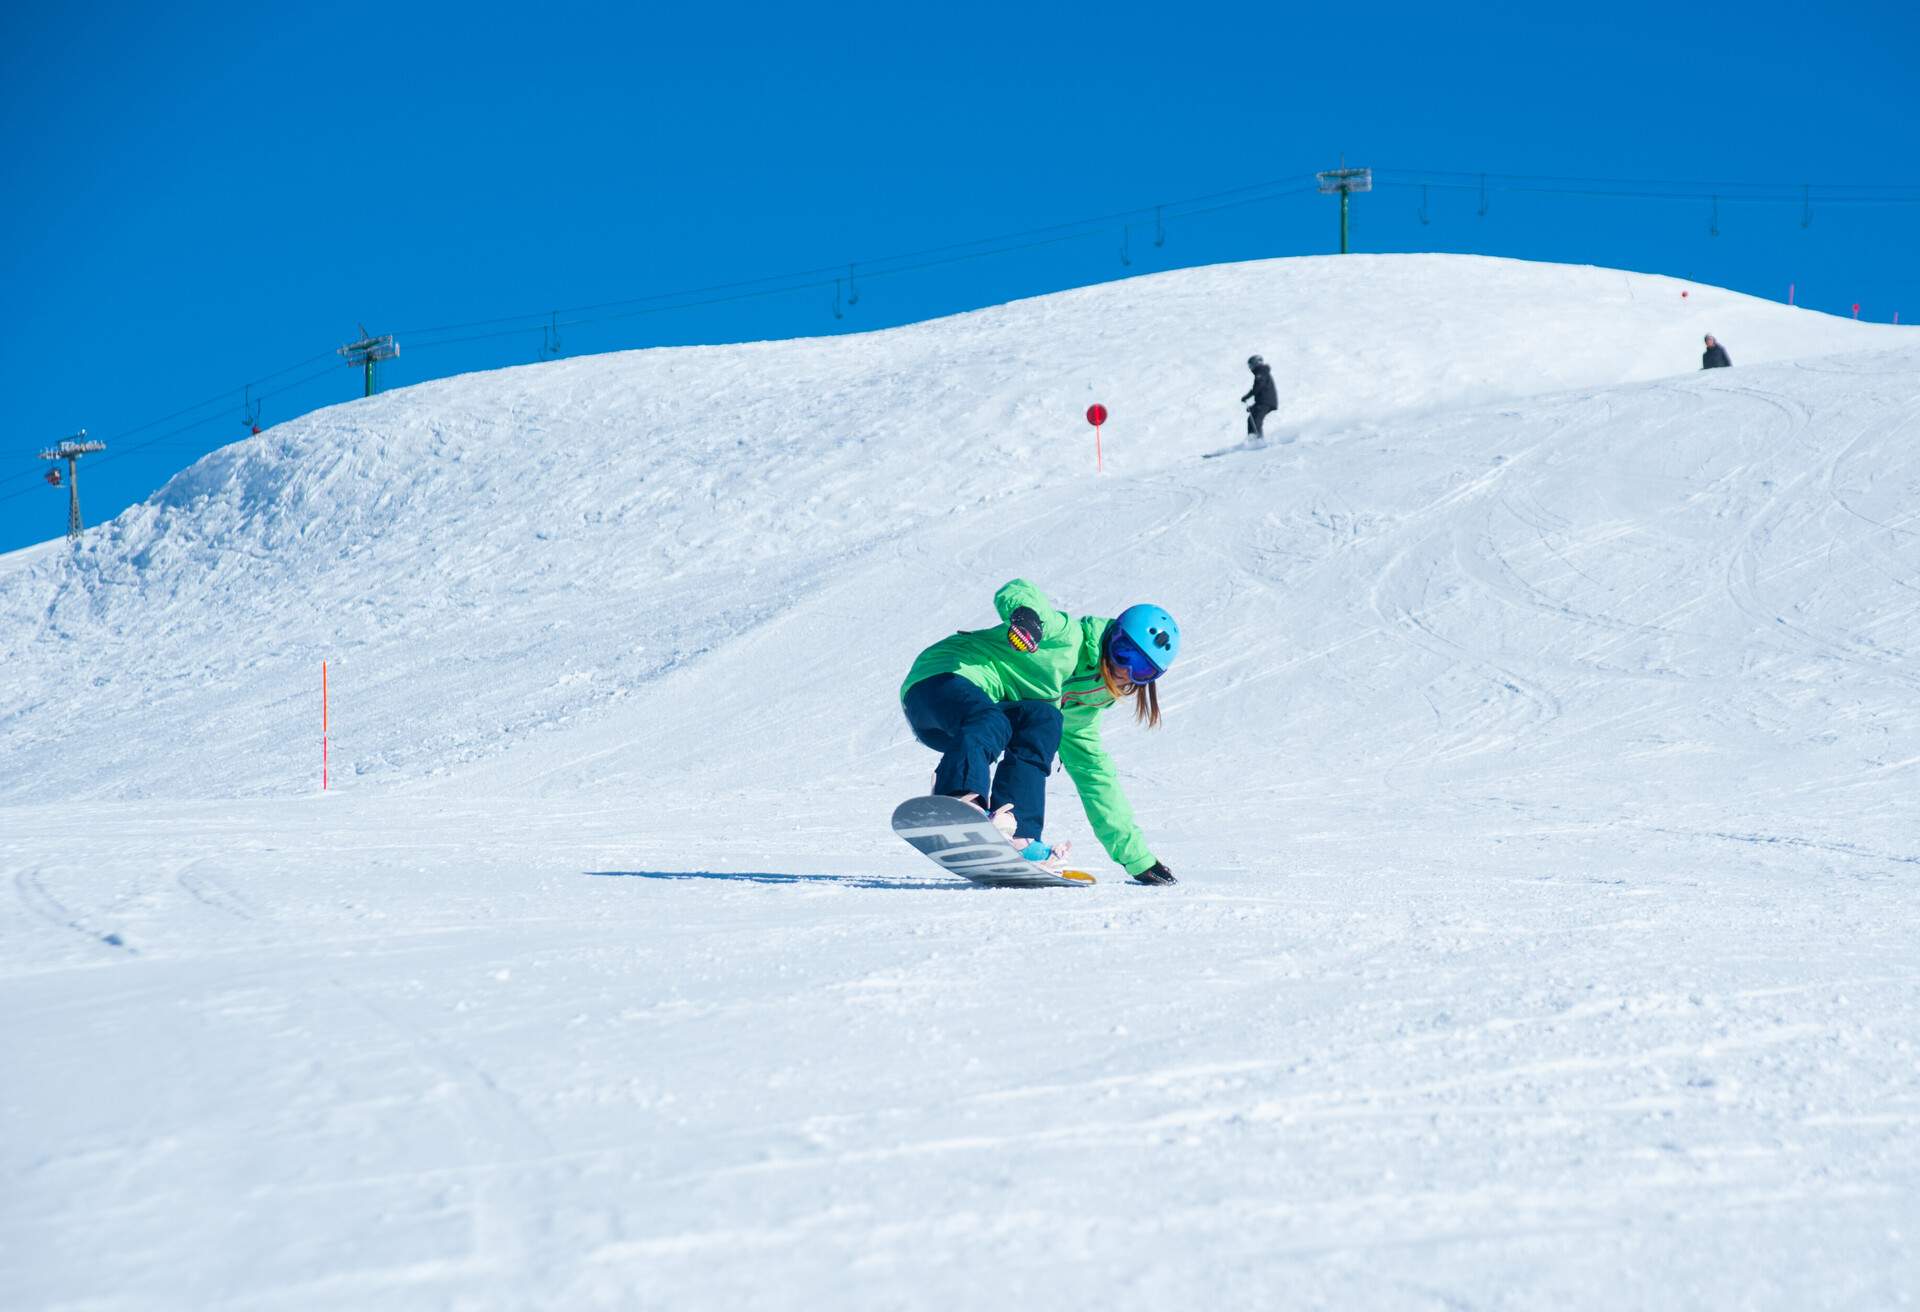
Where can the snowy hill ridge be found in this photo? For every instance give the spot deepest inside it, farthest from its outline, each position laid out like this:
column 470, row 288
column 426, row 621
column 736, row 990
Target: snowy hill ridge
column 497, row 554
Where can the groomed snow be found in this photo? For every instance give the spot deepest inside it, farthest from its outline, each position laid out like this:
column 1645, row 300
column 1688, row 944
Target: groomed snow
column 1540, row 769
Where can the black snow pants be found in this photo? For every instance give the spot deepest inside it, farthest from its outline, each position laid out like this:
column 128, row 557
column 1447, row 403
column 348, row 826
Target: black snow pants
column 970, row 731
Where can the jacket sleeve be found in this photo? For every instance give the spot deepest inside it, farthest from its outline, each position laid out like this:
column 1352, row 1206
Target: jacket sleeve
column 1017, row 593
column 1247, row 395
column 1093, row 773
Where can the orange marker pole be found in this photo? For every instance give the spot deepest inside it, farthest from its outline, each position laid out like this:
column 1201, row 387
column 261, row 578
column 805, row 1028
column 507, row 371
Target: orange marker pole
column 323, row 726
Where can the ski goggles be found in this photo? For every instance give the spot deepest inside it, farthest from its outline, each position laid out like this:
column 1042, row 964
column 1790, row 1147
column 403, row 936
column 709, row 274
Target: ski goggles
column 1125, row 652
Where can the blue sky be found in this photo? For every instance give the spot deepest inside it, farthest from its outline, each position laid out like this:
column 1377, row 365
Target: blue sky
column 201, row 195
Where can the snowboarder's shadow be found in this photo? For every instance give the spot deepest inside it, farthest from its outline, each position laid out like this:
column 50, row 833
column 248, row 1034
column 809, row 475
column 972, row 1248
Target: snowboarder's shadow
column 766, row 877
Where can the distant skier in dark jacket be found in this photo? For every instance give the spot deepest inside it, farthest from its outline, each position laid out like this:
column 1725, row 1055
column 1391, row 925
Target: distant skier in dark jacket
column 1715, row 356
column 1265, row 399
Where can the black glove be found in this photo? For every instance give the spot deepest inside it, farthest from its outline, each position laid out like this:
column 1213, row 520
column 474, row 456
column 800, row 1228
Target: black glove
column 1157, row 873
column 1023, row 629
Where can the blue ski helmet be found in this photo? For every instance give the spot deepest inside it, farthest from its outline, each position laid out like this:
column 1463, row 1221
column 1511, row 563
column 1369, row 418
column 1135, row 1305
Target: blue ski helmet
column 1143, row 632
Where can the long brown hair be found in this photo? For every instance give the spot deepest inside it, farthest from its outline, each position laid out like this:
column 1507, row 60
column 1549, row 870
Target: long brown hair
column 1146, row 699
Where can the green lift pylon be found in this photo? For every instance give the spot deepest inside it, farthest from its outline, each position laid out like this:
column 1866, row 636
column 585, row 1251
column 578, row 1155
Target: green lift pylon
column 370, row 351
column 1346, row 181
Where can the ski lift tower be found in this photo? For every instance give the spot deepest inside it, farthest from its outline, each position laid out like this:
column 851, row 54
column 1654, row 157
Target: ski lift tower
column 1345, row 181
column 70, row 451
column 370, row 351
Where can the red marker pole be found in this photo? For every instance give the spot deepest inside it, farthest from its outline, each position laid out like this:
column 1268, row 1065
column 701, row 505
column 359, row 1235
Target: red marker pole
column 1789, row 293
column 323, row 726
column 1097, row 415
column 1856, row 309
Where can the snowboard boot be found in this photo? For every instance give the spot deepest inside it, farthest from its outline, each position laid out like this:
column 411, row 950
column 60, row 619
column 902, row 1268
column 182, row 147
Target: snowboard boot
column 1051, row 858
column 1002, row 819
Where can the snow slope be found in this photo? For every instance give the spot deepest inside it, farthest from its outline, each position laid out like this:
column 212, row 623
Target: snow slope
column 1540, row 768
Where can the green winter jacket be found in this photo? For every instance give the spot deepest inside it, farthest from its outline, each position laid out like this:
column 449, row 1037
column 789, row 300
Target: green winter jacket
column 1066, row 671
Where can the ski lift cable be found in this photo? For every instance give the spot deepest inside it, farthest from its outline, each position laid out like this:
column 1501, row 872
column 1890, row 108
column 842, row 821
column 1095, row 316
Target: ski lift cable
column 1705, row 186
column 789, row 290
column 822, row 283
column 801, row 278
column 1779, row 199
column 224, row 397
column 121, row 449
column 1239, row 204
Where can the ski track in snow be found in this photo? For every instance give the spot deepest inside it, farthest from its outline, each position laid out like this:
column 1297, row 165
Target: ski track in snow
column 1541, row 770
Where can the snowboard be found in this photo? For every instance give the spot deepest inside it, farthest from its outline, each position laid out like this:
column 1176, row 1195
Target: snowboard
column 1251, row 444
column 962, row 841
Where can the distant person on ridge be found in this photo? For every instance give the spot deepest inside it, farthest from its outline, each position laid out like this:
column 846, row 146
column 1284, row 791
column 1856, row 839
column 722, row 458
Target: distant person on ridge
column 1265, row 399
column 1715, row 356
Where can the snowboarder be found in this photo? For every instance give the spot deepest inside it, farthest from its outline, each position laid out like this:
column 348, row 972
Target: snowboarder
column 1715, row 356
column 1027, row 688
column 1265, row 399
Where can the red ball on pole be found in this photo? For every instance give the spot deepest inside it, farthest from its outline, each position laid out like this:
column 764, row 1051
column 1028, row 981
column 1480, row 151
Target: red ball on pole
column 1097, row 415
